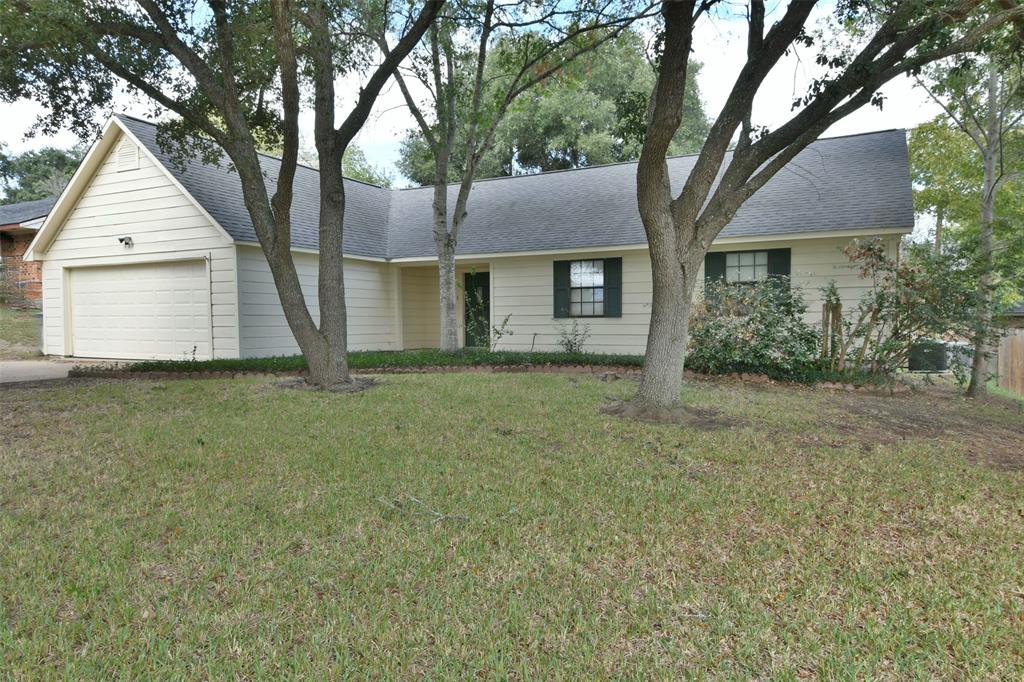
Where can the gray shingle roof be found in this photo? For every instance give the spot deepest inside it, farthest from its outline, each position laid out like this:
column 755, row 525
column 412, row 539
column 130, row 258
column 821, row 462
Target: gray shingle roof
column 841, row 183
column 13, row 214
column 218, row 189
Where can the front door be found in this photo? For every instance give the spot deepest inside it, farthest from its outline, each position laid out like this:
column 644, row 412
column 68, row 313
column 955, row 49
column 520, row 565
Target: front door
column 478, row 309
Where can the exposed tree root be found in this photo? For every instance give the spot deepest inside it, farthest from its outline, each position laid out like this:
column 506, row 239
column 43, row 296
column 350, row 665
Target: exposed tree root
column 702, row 418
column 353, row 385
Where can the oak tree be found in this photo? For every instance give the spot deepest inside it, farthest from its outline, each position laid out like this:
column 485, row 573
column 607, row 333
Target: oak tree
column 237, row 74
column 889, row 38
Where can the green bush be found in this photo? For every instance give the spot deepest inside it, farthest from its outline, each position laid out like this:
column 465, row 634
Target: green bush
column 408, row 359
column 757, row 327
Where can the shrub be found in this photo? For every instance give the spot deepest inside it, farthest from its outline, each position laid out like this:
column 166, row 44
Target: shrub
column 922, row 296
column 572, row 338
column 407, row 359
column 752, row 328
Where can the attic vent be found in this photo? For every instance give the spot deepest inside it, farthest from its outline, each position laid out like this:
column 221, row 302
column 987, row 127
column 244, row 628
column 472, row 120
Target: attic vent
column 127, row 156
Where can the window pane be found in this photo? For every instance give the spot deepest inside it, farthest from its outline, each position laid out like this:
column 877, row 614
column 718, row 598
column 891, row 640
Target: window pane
column 588, row 308
column 599, row 294
column 599, row 308
column 761, row 271
column 732, row 259
column 732, row 274
column 574, row 295
column 586, row 273
column 575, row 309
column 761, row 258
column 588, row 295
column 746, row 258
column 747, row 273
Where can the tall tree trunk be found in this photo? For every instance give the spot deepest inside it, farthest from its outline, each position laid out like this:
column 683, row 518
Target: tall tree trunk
column 448, row 288
column 668, row 335
column 940, row 216
column 445, row 240
column 331, row 364
column 979, row 364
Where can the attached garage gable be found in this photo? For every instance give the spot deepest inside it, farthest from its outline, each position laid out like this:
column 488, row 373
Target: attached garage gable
column 133, row 267
column 158, row 311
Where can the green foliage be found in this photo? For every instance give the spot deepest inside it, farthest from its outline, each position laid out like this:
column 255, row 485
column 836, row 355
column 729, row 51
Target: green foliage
column 752, row 328
column 37, row 174
column 355, row 165
column 467, row 357
column 73, row 57
column 572, row 338
column 584, row 114
column 920, row 296
column 948, row 178
column 948, row 158
column 408, row 359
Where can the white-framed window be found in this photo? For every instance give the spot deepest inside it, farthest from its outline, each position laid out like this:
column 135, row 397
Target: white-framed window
column 746, row 266
column 586, row 288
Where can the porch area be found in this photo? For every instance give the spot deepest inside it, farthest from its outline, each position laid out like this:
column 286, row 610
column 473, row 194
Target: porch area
column 420, row 305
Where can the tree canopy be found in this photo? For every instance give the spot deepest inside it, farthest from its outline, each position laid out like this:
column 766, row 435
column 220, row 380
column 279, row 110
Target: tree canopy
column 37, row 174
column 581, row 115
column 948, row 179
column 356, row 166
column 236, row 74
column 873, row 43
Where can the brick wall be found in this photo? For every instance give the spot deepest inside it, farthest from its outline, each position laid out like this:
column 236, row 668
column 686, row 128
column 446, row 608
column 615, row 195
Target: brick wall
column 21, row 277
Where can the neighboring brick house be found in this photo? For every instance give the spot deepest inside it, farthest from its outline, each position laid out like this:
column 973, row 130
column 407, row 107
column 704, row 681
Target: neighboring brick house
column 19, row 223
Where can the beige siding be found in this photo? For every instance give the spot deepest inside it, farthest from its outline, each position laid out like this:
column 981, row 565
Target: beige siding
column 141, row 202
column 522, row 286
column 264, row 329
column 421, row 307
column 814, row 262
column 421, row 304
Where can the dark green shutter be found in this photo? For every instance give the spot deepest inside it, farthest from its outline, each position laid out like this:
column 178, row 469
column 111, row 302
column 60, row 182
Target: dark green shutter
column 561, row 288
column 714, row 267
column 778, row 263
column 613, row 287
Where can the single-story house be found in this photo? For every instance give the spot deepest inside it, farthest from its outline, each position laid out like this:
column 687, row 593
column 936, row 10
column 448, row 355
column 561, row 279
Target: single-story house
column 18, row 226
column 145, row 258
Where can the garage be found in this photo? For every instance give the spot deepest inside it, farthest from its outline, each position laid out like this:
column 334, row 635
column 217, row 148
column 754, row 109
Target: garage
column 158, row 311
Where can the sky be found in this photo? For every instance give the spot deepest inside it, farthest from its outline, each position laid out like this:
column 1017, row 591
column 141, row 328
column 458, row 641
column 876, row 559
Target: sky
column 719, row 44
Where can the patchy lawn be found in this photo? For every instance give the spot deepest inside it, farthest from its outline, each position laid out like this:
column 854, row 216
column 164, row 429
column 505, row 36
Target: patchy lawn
column 20, row 332
column 500, row 526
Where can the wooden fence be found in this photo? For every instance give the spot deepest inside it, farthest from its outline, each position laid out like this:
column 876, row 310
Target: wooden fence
column 1010, row 361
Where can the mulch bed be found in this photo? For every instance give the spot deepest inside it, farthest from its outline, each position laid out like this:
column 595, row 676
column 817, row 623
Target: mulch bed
column 620, row 371
column 605, row 372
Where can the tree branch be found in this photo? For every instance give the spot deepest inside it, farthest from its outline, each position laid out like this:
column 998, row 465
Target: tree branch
column 368, row 95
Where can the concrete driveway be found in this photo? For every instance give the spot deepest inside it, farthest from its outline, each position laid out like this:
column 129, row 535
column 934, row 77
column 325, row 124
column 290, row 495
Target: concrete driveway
column 12, row 371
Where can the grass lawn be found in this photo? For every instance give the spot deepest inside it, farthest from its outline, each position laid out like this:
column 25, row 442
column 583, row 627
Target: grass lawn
column 233, row 529
column 19, row 333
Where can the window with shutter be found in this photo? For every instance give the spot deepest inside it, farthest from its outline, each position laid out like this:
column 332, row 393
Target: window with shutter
column 741, row 267
column 588, row 288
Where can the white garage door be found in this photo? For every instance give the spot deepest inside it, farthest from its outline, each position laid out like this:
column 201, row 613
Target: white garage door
column 157, row 311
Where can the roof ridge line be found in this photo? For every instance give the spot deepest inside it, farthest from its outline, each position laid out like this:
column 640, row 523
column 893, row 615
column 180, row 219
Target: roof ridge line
column 533, row 175
column 635, row 161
